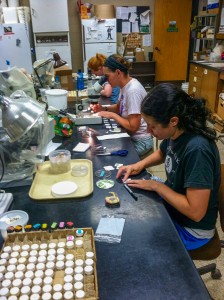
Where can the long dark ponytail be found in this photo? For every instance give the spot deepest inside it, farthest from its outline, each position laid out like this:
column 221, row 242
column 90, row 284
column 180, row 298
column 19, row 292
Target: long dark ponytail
column 167, row 100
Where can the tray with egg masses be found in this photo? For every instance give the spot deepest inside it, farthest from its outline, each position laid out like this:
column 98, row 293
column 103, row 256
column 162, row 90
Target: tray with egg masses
column 73, row 265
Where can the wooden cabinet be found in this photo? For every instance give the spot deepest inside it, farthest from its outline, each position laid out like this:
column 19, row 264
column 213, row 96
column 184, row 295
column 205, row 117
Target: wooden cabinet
column 144, row 71
column 205, row 83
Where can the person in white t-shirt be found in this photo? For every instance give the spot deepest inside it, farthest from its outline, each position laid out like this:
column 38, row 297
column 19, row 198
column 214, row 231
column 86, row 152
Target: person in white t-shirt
column 127, row 112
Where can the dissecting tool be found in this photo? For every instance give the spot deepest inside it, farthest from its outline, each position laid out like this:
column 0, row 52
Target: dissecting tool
column 118, row 152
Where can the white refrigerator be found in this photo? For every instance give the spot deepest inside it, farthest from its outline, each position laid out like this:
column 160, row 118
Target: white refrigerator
column 98, row 36
column 16, row 46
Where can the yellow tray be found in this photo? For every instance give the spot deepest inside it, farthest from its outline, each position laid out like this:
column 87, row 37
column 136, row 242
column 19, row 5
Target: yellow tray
column 43, row 181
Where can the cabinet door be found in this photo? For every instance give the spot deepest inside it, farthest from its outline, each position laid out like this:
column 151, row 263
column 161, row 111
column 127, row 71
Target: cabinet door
column 49, row 15
column 209, row 88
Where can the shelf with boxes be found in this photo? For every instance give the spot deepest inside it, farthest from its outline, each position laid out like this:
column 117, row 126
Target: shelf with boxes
column 204, row 35
column 144, row 71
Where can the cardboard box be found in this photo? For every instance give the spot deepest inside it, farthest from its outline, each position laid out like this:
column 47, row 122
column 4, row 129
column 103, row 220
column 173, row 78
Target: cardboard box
column 104, row 11
column 220, row 110
column 139, row 56
column 213, row 11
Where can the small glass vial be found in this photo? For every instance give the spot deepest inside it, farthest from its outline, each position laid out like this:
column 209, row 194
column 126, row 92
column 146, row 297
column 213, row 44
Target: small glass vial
column 11, row 268
column 24, row 254
column 37, row 281
column 7, row 249
column 68, row 279
column 19, row 275
column 88, row 270
column 60, row 257
column 60, row 265
column 79, row 232
column 22, row 260
column 6, row 283
column 41, row 259
column 11, row 298
column 68, row 287
column 33, row 253
column 89, row 254
column 49, row 272
column 16, row 248
column 46, row 296
column 57, row 287
column 35, row 247
column 40, row 266
column 51, row 258
column 70, row 244
column 52, row 246
column 14, row 254
column 32, row 259
column 25, row 290
column 9, row 275
column 48, row 280
column 69, row 271
column 4, row 292
column 17, row 283
column 39, row 274
column 24, row 297
column 69, row 256
column 35, row 297
column 80, row 294
column 78, row 286
column 4, row 255
column 78, row 278
column 14, row 291
column 61, row 245
column 13, row 261
column 51, row 252
column 89, row 262
column 47, row 288
column 60, row 251
column 68, row 295
column 69, row 264
column 50, row 265
column 79, row 270
column 79, row 243
column 43, row 253
column 26, row 247
column 36, row 289
column 79, row 262
column 29, row 274
column 27, row 282
column 57, row 296
column 30, row 267
column 3, row 269
column 21, row 267
column 43, row 246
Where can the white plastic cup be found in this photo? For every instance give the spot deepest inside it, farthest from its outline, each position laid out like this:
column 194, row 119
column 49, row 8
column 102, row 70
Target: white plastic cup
column 57, row 98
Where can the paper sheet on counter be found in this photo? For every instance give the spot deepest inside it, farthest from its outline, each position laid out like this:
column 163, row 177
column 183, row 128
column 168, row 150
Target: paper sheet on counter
column 51, row 147
column 112, row 136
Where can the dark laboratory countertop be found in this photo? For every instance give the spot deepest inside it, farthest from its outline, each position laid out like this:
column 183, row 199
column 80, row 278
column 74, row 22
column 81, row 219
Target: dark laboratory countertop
column 215, row 66
column 151, row 261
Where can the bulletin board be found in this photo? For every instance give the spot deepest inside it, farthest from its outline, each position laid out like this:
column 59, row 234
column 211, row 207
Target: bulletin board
column 133, row 24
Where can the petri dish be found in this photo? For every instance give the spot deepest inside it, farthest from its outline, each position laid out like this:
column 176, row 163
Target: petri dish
column 105, row 184
column 79, row 170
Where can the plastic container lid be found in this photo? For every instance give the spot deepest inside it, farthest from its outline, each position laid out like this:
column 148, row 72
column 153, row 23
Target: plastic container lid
column 63, row 188
column 12, row 218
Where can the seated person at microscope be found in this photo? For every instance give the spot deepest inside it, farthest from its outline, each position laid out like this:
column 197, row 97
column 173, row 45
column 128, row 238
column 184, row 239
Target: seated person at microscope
column 95, row 64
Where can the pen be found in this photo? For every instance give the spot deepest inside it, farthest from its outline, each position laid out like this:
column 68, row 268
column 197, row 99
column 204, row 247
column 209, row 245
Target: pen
column 130, row 192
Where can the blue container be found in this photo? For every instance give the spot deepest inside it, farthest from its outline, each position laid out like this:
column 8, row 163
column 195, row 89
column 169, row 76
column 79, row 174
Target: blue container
column 80, row 81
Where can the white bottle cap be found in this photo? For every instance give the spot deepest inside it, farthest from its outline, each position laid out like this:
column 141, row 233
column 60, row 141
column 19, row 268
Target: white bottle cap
column 90, row 254
column 79, row 262
column 68, row 287
column 79, row 232
column 4, row 292
column 6, row 283
column 40, row 266
column 10, row 298
column 33, row 253
column 57, row 287
column 42, row 259
column 21, row 267
column 43, row 253
column 9, row 275
column 3, row 269
column 19, row 275
column 50, row 265
column 78, row 285
column 7, row 249
column 60, row 251
column 17, row 283
column 16, row 248
column 70, row 244
column 29, row 274
column 14, row 254
column 32, row 259
column 35, row 247
column 24, row 254
column 30, row 267
column 69, row 264
column 57, row 296
column 36, row 289
column 68, row 295
column 79, row 243
column 11, row 268
column 34, row 297
column 79, row 270
column 39, row 273
column 48, row 280
column 46, row 296
column 37, row 281
column 60, row 257
column 78, row 277
column 26, row 247
column 61, row 245
column 68, row 279
column 51, row 258
column 27, row 282
column 69, row 271
column 60, row 265
column 25, row 290
column 51, row 252
column 14, row 291
column 80, row 294
column 5, row 255
column 24, row 297
column 52, row 246
column 49, row 272
column 88, row 270
column 13, row 261
column 3, row 261
column 89, row 262
column 47, row 288
column 43, row 246
column 22, row 260
column 69, row 256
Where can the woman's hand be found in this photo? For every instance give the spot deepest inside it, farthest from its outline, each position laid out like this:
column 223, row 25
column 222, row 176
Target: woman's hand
column 95, row 107
column 148, row 185
column 106, row 114
column 128, row 170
